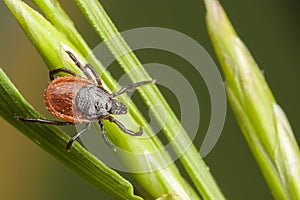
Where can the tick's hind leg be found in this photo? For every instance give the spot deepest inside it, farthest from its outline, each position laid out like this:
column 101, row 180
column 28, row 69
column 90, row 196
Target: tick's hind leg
column 131, row 86
column 44, row 121
column 69, row 145
column 90, row 67
column 81, row 66
column 104, row 136
column 77, row 63
column 65, row 70
column 125, row 130
column 84, row 68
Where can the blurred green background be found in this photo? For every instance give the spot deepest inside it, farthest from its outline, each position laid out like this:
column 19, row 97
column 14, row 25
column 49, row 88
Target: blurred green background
column 270, row 29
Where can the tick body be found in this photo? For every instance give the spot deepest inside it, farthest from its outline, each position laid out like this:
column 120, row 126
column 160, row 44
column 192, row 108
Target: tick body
column 79, row 100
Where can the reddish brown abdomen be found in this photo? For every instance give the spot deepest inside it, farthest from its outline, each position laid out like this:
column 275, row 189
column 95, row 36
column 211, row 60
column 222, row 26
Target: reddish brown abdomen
column 60, row 95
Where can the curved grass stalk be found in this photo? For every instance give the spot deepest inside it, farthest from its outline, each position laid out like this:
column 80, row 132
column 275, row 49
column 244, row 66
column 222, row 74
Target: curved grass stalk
column 191, row 159
column 261, row 119
column 54, row 141
column 51, row 43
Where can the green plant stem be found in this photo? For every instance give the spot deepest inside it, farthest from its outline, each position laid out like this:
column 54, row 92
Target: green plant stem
column 191, row 159
column 262, row 121
column 157, row 183
column 54, row 141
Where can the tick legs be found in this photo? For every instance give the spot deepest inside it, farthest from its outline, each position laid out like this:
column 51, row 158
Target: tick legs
column 55, row 71
column 122, row 127
column 104, row 135
column 69, row 145
column 131, row 86
column 83, row 68
column 44, row 121
column 94, row 73
column 57, row 123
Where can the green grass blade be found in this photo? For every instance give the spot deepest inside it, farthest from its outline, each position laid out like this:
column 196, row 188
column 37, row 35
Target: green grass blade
column 58, row 19
column 54, row 141
column 57, row 16
column 62, row 22
column 50, row 42
column 191, row 159
column 262, row 121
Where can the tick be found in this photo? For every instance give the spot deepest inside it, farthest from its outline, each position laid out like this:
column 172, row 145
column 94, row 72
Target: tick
column 79, row 100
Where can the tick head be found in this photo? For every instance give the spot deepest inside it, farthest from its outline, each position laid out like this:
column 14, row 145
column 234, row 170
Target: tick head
column 118, row 108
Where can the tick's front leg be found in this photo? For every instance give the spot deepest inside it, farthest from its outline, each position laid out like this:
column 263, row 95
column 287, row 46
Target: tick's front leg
column 131, row 86
column 125, row 130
